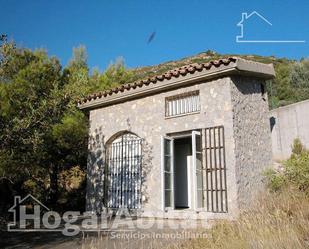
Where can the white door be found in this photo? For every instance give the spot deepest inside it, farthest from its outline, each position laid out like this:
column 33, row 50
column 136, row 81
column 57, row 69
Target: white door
column 197, row 170
column 167, row 170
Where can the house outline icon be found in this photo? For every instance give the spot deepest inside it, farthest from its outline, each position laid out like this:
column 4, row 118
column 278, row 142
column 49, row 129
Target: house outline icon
column 241, row 38
column 19, row 201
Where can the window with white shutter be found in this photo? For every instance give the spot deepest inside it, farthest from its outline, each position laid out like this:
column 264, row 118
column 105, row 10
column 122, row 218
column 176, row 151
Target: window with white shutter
column 182, row 104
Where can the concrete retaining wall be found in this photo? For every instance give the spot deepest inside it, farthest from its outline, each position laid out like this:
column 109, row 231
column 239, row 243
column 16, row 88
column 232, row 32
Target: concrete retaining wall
column 287, row 123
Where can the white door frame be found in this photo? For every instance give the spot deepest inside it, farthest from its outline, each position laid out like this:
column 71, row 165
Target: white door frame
column 193, row 134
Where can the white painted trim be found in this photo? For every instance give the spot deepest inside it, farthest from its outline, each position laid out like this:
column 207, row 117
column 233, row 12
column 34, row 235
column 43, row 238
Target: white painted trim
column 190, row 177
column 172, row 173
column 162, row 175
column 163, row 138
column 182, row 115
column 181, row 136
column 194, row 133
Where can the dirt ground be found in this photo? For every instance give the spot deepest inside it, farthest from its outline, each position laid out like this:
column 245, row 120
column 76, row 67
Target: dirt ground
column 124, row 237
column 81, row 241
column 38, row 240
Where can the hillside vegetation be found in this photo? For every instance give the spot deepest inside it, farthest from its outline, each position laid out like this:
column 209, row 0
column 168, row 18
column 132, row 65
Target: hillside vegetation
column 290, row 85
column 43, row 149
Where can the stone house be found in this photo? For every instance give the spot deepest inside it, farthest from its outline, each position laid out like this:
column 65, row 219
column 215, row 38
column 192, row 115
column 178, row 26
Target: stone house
column 190, row 143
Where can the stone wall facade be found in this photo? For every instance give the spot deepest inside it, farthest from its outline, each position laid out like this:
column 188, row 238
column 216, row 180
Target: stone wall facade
column 251, row 135
column 236, row 103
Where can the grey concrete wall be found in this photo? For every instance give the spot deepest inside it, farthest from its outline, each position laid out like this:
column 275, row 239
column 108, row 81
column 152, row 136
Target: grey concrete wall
column 146, row 118
column 252, row 137
column 287, row 123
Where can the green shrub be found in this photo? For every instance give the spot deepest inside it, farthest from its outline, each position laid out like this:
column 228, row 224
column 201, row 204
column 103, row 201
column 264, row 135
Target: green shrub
column 295, row 171
column 275, row 180
column 298, row 148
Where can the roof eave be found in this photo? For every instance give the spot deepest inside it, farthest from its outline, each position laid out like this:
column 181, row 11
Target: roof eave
column 165, row 85
column 257, row 69
column 240, row 67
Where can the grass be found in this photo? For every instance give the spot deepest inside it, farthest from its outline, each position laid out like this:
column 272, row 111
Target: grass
column 279, row 220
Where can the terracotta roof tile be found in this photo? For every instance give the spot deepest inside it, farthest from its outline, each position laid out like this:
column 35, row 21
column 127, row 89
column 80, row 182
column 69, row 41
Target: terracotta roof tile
column 184, row 70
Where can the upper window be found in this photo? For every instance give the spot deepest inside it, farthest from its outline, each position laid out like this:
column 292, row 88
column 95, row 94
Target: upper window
column 182, row 103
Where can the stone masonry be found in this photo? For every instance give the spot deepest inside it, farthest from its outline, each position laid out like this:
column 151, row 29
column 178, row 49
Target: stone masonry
column 230, row 95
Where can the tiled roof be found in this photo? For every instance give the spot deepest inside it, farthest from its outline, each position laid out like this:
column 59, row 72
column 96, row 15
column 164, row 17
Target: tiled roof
column 184, row 70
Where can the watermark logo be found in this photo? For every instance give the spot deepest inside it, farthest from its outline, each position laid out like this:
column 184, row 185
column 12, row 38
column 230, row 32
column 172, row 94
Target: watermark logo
column 257, row 17
column 31, row 215
column 20, row 215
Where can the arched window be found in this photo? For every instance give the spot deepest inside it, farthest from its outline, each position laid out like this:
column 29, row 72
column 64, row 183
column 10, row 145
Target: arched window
column 124, row 172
